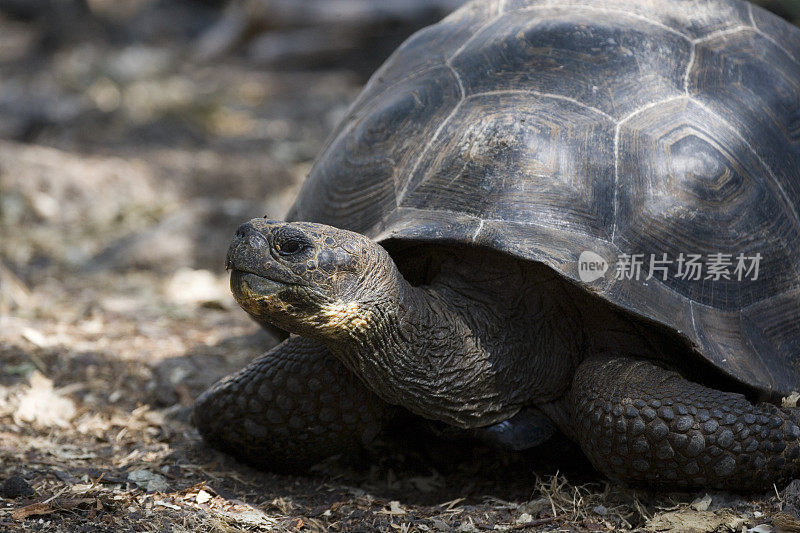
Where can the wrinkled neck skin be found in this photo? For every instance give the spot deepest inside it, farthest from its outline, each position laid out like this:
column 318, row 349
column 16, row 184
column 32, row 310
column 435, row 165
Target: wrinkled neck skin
column 483, row 338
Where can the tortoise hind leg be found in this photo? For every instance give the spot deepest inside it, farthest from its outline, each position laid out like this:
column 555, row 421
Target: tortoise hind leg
column 639, row 423
column 289, row 408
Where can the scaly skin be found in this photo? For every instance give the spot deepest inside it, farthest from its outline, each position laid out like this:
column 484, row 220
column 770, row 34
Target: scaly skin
column 290, row 408
column 485, row 338
column 639, row 423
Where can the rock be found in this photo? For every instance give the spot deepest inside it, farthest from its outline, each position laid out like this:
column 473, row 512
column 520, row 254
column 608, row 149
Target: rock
column 149, row 481
column 702, row 504
column 791, row 498
column 16, row 487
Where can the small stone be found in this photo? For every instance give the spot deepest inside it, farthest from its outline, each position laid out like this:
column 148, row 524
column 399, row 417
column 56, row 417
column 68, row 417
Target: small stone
column 702, row 504
column 16, row 487
column 524, row 518
column 601, row 510
column 148, row 481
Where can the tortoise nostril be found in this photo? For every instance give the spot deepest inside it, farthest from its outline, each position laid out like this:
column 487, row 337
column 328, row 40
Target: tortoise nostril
column 248, row 234
column 243, row 230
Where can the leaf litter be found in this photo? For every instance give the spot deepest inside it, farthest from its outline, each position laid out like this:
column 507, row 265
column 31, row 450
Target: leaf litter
column 113, row 316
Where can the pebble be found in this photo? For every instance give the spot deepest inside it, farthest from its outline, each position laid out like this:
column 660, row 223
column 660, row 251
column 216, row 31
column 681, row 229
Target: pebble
column 16, row 487
column 149, row 481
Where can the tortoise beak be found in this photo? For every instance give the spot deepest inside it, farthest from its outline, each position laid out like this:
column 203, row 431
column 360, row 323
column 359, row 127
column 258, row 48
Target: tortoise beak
column 246, row 285
column 250, row 252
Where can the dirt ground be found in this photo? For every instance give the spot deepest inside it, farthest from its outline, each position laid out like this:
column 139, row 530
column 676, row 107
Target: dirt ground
column 135, row 135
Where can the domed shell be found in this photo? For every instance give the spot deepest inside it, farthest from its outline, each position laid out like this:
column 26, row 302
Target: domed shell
column 592, row 134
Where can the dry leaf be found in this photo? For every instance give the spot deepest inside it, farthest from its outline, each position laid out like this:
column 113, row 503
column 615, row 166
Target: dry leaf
column 43, row 406
column 786, row 523
column 30, row 510
column 35, row 337
column 791, row 400
column 59, row 504
column 692, row 521
column 394, row 509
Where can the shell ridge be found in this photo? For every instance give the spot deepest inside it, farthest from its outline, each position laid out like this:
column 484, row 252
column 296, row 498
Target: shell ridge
column 689, row 67
column 401, row 195
column 457, row 75
column 778, row 45
column 540, row 94
column 773, row 178
column 502, row 221
column 721, row 33
column 750, row 15
column 621, row 12
column 767, row 36
column 617, row 128
column 478, row 231
column 475, row 34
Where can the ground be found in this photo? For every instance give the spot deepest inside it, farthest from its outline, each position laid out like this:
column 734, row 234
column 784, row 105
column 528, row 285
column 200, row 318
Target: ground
column 135, row 136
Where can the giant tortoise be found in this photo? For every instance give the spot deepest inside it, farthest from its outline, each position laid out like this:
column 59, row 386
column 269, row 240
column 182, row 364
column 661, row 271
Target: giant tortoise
column 578, row 215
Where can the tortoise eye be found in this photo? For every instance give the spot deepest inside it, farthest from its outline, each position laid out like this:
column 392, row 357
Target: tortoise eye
column 291, row 247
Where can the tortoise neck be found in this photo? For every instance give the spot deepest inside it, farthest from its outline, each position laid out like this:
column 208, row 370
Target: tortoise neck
column 459, row 349
column 420, row 353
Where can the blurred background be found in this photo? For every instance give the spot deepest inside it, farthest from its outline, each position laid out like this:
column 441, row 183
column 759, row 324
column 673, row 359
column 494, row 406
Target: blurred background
column 135, row 136
column 180, row 116
column 138, row 133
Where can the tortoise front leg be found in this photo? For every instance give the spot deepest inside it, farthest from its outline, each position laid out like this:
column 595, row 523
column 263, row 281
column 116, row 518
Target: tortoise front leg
column 290, row 408
column 639, row 423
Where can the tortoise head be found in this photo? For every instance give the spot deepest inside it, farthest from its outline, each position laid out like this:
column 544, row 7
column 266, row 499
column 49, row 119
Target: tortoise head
column 311, row 279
